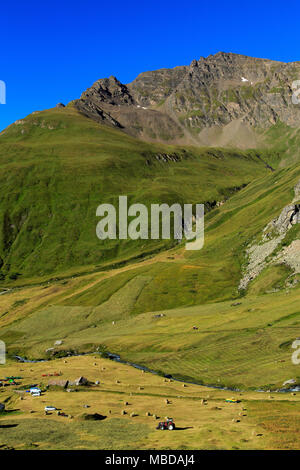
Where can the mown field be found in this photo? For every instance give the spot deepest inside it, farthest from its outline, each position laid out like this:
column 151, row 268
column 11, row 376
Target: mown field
column 246, row 345
column 203, row 419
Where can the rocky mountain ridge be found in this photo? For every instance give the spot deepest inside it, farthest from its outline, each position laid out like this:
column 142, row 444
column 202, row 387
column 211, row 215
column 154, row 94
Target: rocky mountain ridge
column 223, row 99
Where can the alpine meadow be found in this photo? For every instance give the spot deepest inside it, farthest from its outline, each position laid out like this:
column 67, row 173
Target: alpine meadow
column 205, row 336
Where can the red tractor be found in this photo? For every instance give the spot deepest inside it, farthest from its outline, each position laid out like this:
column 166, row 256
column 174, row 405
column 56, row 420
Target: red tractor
column 168, row 424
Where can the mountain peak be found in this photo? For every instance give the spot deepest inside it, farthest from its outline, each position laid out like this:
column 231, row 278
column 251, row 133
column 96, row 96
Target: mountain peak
column 200, row 100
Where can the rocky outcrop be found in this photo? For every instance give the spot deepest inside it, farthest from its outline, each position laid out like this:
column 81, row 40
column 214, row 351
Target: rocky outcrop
column 290, row 256
column 226, row 93
column 110, row 91
column 93, row 110
column 289, row 216
column 273, row 234
column 165, row 157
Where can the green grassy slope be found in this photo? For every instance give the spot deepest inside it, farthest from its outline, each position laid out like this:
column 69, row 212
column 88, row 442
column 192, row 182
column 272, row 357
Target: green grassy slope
column 248, row 344
column 58, row 166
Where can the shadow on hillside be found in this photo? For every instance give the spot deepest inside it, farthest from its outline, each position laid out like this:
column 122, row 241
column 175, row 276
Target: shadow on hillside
column 5, row 426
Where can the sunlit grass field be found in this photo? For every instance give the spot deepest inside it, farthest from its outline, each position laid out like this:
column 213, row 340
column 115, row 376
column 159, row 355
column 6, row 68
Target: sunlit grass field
column 203, row 419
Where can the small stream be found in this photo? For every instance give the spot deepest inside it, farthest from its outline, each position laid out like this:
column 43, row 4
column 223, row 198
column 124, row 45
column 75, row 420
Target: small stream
column 117, row 358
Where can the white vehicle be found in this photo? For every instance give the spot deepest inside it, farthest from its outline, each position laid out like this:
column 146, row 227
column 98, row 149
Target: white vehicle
column 50, row 408
column 36, row 394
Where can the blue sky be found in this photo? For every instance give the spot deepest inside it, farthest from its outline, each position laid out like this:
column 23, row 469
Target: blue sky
column 52, row 51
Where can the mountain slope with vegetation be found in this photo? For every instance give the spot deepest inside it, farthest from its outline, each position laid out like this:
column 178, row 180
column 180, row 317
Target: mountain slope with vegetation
column 180, row 312
column 57, row 166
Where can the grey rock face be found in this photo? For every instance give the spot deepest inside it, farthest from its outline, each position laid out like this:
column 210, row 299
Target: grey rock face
column 272, row 235
column 108, row 90
column 288, row 217
column 210, row 94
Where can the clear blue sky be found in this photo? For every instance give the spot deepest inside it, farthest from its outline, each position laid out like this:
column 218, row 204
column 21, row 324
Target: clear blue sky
column 52, row 51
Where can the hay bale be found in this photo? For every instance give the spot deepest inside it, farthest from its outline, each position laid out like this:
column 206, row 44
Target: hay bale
column 117, row 381
column 183, row 385
column 167, row 401
column 148, row 413
column 133, row 414
column 154, row 416
column 126, row 403
column 123, row 412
